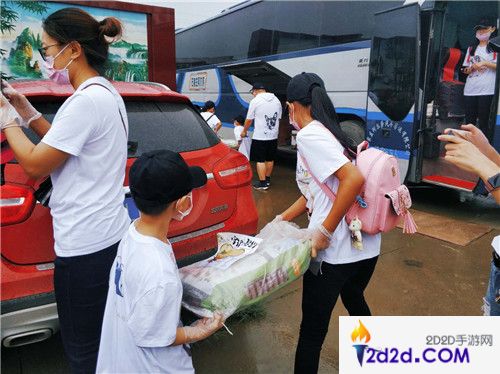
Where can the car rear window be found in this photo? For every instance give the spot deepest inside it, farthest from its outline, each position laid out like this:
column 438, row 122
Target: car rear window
column 174, row 126
column 155, row 125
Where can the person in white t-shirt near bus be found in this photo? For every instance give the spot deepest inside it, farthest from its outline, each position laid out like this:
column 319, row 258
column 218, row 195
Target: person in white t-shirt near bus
column 337, row 267
column 265, row 112
column 142, row 331
column 208, row 114
column 84, row 150
column 480, row 65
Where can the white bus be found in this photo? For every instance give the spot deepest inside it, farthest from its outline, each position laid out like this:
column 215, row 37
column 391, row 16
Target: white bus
column 391, row 69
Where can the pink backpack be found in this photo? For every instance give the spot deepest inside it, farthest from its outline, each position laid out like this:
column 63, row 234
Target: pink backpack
column 383, row 200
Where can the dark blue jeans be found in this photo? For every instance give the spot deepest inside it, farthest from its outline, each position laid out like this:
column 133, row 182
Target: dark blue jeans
column 81, row 288
column 491, row 300
column 319, row 296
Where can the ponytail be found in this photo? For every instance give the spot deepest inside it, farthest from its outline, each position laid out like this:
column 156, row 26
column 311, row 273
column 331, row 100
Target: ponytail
column 322, row 110
column 74, row 24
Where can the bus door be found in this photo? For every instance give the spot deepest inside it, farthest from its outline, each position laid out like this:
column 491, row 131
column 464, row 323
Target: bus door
column 275, row 81
column 393, row 95
column 453, row 31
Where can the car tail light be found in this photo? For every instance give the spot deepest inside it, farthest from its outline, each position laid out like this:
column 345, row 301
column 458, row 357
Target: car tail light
column 232, row 171
column 16, row 204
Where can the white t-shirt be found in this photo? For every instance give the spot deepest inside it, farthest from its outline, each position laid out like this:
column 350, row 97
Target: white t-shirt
column 325, row 155
column 265, row 111
column 143, row 310
column 211, row 119
column 496, row 244
column 480, row 82
column 237, row 132
column 87, row 198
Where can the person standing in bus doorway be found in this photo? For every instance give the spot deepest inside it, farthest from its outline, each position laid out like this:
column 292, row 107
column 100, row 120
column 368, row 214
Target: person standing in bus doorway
column 337, row 267
column 265, row 111
column 85, row 152
column 208, row 114
column 480, row 65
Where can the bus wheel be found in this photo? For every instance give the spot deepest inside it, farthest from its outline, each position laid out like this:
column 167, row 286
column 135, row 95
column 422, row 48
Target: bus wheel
column 354, row 130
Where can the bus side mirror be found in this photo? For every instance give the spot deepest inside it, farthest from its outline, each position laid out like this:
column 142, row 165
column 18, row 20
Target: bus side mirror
column 495, row 44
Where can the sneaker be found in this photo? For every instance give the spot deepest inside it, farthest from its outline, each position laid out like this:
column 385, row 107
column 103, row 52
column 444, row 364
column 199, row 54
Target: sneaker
column 268, row 181
column 260, row 185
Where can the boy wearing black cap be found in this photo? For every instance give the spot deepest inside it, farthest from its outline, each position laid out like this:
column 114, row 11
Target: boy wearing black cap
column 208, row 114
column 142, row 331
column 265, row 111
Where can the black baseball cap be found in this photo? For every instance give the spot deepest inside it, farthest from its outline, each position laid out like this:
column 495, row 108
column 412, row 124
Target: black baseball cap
column 209, row 105
column 162, row 176
column 258, row 86
column 484, row 23
column 300, row 86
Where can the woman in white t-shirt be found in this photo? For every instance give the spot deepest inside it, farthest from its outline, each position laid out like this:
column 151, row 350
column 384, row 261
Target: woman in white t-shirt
column 480, row 65
column 85, row 152
column 337, row 268
column 208, row 114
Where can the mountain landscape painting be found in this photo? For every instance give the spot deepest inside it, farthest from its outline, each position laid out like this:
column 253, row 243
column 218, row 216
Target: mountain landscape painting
column 21, row 33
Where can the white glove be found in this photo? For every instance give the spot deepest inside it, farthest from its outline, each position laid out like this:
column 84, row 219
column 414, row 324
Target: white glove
column 27, row 112
column 8, row 115
column 320, row 240
column 278, row 218
column 203, row 328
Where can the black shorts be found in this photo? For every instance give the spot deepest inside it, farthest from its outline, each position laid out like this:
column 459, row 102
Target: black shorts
column 263, row 150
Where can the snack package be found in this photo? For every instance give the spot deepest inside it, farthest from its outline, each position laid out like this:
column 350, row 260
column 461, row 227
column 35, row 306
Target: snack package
column 231, row 248
column 281, row 257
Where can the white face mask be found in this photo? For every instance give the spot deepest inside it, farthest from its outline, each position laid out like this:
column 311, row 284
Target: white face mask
column 291, row 117
column 179, row 216
column 59, row 76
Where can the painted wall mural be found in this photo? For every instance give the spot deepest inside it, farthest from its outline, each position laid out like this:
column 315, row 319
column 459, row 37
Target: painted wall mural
column 21, row 32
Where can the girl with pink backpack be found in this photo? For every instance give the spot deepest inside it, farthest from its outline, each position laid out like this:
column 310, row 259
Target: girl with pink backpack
column 339, row 267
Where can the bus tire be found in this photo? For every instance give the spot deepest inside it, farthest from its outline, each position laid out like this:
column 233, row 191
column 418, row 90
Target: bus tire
column 354, row 129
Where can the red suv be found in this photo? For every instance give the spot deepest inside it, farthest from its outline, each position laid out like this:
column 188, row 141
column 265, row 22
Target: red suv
column 158, row 119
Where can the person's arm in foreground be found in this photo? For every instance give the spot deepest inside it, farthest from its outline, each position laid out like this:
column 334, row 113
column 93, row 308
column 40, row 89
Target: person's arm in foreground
column 30, row 116
column 199, row 330
column 468, row 157
column 295, row 210
column 36, row 160
column 475, row 136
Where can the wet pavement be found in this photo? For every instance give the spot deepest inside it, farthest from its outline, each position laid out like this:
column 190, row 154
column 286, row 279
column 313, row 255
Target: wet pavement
column 415, row 275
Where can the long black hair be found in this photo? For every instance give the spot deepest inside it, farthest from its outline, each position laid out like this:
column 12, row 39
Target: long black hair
column 323, row 110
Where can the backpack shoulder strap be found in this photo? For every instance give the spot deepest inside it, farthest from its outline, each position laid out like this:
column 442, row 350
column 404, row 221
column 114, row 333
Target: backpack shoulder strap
column 119, row 111
column 331, row 195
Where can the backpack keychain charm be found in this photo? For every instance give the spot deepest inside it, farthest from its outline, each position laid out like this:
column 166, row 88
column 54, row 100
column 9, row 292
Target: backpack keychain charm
column 356, row 238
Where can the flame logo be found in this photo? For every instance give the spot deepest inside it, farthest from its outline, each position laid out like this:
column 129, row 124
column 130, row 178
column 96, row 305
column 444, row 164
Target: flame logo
column 360, row 336
column 360, row 333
